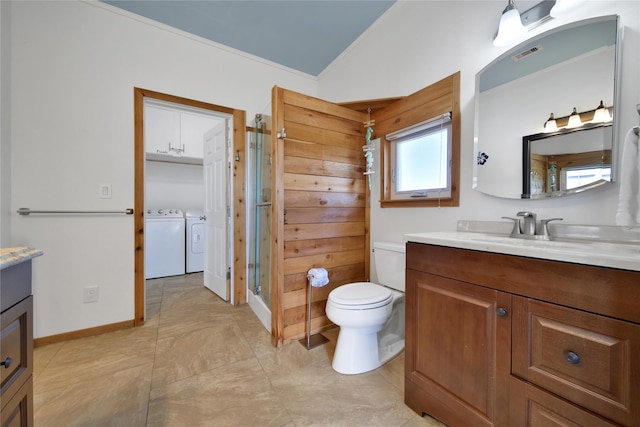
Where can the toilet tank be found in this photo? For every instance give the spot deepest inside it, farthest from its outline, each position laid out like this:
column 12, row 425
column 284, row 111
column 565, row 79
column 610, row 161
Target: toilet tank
column 390, row 264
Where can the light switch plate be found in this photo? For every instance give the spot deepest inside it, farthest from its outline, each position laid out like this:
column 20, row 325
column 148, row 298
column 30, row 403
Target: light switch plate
column 105, row 191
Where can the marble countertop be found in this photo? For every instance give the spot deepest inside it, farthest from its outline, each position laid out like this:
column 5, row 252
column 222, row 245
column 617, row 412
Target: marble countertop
column 13, row 256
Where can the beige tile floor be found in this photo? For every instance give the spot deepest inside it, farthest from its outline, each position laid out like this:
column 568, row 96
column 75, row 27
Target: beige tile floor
column 198, row 361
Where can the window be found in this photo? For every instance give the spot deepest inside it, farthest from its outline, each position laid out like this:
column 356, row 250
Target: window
column 420, row 159
column 580, row 176
column 420, row 147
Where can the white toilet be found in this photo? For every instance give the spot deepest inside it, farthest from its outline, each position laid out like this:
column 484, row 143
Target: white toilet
column 370, row 316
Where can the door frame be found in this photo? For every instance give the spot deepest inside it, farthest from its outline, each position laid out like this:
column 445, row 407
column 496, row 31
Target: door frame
column 239, row 205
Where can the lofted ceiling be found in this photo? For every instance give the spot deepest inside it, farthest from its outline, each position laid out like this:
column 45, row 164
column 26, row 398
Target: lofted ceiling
column 305, row 35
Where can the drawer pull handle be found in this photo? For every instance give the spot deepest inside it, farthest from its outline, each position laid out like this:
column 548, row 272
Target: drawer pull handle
column 6, row 362
column 500, row 311
column 572, row 357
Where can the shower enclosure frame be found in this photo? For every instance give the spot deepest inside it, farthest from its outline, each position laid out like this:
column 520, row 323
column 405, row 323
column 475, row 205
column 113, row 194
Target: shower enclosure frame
column 259, row 220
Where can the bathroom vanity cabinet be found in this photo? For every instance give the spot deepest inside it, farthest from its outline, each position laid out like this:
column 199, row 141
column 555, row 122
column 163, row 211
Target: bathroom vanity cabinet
column 503, row 340
column 16, row 337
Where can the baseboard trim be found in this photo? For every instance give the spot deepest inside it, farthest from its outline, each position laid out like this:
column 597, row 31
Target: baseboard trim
column 83, row 333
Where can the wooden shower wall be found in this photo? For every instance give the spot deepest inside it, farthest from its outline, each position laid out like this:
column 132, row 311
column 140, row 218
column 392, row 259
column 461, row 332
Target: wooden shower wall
column 320, row 206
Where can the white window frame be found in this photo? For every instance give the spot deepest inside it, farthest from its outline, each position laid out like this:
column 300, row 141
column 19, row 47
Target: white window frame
column 435, row 124
column 564, row 171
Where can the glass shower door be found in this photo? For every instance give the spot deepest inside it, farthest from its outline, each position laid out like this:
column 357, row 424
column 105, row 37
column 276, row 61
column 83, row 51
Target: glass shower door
column 259, row 275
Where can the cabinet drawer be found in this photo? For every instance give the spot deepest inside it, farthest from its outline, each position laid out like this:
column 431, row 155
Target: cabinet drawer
column 532, row 407
column 16, row 347
column 586, row 358
column 18, row 411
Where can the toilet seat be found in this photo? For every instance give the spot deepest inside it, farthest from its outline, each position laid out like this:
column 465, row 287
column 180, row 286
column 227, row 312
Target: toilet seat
column 360, row 296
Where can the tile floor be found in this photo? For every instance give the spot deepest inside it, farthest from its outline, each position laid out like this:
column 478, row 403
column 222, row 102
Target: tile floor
column 198, row 361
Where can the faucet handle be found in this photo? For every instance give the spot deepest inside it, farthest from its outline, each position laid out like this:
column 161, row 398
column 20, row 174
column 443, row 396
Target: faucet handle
column 516, row 225
column 544, row 230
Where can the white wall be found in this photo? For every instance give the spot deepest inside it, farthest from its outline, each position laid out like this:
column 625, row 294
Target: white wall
column 173, row 185
column 5, row 124
column 74, row 67
column 417, row 43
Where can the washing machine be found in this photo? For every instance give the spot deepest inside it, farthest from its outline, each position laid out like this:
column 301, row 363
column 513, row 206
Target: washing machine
column 195, row 240
column 164, row 243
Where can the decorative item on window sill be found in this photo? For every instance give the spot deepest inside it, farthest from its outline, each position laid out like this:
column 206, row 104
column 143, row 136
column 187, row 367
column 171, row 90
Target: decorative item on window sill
column 368, row 148
column 601, row 114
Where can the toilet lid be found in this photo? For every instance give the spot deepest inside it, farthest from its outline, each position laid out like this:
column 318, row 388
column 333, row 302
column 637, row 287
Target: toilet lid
column 360, row 294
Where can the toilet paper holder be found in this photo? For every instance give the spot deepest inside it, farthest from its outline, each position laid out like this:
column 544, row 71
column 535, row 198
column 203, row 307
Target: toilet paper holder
column 315, row 340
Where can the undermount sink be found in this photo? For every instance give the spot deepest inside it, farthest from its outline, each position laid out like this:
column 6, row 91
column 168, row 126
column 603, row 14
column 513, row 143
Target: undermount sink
column 605, row 254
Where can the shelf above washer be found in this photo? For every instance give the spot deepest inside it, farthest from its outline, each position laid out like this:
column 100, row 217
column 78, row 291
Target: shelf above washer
column 168, row 158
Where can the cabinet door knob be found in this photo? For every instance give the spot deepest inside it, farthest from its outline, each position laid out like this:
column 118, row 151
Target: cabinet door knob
column 501, row 311
column 572, row 357
column 6, row 362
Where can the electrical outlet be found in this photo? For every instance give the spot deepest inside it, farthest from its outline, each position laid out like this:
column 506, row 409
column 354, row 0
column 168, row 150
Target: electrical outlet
column 90, row 294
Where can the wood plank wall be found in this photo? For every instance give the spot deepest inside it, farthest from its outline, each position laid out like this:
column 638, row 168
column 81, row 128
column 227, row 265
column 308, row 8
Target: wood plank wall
column 438, row 98
column 321, row 210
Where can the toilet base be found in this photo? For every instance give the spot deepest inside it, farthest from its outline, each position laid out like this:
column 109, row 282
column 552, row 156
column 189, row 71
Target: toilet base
column 360, row 350
column 356, row 351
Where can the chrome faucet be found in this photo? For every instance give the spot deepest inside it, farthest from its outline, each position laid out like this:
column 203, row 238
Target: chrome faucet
column 528, row 228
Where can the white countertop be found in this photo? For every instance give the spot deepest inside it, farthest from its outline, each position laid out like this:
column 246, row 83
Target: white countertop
column 603, row 254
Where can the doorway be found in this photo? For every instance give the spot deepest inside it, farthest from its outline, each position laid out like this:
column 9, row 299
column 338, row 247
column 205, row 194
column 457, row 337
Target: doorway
column 237, row 205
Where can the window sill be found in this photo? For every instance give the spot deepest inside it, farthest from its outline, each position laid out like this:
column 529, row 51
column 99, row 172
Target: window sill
column 419, row 203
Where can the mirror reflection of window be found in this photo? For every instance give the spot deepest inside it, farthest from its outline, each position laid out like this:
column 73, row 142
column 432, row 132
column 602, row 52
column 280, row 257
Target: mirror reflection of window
column 572, row 178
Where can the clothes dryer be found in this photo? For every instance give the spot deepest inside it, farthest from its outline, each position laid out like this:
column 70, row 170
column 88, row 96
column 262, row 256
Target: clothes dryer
column 164, row 243
column 195, row 240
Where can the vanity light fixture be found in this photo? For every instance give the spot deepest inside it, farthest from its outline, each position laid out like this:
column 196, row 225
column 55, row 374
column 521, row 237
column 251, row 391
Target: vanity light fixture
column 574, row 119
column 563, row 7
column 601, row 114
column 513, row 24
column 510, row 25
column 551, row 125
column 597, row 116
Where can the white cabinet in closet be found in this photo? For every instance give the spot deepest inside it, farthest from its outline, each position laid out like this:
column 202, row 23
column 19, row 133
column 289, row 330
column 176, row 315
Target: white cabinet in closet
column 161, row 130
column 173, row 135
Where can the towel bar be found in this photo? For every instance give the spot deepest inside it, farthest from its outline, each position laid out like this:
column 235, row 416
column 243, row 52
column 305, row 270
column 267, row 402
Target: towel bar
column 27, row 211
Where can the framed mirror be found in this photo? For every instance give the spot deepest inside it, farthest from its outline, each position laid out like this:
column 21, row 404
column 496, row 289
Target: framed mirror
column 567, row 68
column 566, row 161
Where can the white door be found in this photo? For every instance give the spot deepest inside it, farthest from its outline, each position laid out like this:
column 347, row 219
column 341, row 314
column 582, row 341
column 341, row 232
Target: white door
column 216, row 174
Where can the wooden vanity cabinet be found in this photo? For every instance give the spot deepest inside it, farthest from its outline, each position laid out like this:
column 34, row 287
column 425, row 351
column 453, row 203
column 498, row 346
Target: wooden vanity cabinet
column 16, row 346
column 501, row 340
column 585, row 358
column 453, row 356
